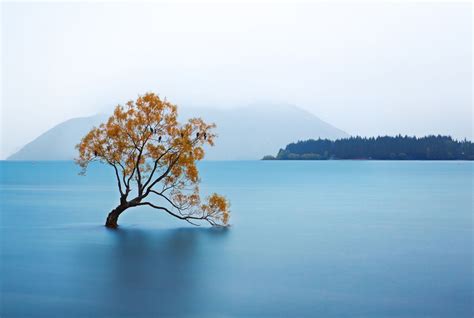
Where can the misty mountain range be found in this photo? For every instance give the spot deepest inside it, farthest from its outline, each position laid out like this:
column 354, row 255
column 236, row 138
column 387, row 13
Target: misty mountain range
column 244, row 133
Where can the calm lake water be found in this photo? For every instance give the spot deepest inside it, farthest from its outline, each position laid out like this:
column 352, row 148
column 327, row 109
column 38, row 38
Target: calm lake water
column 308, row 239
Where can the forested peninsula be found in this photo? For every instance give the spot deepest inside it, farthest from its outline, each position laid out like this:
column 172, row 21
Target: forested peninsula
column 379, row 148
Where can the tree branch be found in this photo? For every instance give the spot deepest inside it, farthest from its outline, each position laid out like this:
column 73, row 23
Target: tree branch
column 184, row 217
column 155, row 166
column 162, row 176
column 118, row 178
column 167, row 199
column 127, row 185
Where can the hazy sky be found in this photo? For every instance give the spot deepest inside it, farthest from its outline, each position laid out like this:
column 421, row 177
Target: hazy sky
column 368, row 68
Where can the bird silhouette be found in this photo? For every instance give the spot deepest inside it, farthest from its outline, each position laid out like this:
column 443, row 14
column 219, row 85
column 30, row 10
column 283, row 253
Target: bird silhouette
column 151, row 130
column 159, row 139
column 197, row 135
column 205, row 136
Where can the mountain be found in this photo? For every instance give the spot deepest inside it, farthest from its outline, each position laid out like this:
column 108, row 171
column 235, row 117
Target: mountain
column 59, row 142
column 243, row 133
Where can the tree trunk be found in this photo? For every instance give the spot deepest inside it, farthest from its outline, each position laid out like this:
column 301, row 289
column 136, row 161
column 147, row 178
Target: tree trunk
column 113, row 216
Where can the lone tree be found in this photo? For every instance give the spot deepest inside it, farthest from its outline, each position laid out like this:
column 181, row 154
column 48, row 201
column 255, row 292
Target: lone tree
column 154, row 159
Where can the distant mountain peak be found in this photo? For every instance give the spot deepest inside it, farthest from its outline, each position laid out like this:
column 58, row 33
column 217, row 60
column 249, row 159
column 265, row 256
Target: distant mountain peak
column 248, row 132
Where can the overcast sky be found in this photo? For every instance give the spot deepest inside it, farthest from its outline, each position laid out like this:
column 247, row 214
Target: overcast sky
column 369, row 69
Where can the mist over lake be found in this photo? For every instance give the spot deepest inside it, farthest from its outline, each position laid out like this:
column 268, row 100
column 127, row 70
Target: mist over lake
column 308, row 239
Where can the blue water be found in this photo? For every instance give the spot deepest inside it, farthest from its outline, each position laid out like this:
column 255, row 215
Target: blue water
column 308, row 239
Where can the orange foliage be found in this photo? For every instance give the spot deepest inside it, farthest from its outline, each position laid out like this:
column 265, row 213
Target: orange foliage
column 155, row 156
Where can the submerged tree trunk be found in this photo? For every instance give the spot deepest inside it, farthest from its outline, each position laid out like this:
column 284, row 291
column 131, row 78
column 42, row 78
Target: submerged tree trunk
column 113, row 216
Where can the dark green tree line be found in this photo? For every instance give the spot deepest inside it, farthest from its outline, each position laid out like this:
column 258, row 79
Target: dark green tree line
column 379, row 148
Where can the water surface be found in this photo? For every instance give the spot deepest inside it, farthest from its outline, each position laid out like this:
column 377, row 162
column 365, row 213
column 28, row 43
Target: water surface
column 325, row 239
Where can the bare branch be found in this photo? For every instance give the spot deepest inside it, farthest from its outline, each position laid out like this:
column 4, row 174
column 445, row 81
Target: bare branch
column 166, row 198
column 155, row 166
column 162, row 176
column 117, row 176
column 186, row 217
